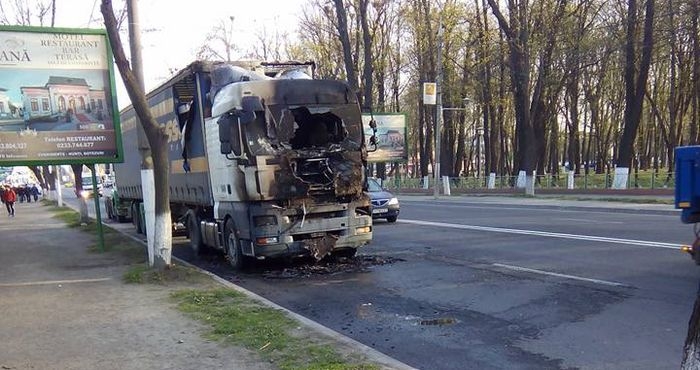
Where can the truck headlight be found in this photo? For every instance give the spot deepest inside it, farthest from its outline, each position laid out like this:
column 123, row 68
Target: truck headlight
column 393, row 201
column 363, row 230
column 267, row 240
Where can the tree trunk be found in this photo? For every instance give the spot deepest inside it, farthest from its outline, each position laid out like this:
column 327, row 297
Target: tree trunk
column 635, row 87
column 345, row 42
column 517, row 34
column 157, row 140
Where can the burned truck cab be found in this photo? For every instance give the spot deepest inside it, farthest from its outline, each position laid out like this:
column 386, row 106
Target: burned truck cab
column 286, row 159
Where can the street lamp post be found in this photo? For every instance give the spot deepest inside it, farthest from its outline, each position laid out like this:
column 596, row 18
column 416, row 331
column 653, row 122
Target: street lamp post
column 438, row 111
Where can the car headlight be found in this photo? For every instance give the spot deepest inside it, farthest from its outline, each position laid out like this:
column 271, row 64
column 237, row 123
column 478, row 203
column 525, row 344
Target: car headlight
column 393, row 201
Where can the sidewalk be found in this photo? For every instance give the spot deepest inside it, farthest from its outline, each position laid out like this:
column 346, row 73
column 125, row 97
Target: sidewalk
column 620, row 203
column 63, row 307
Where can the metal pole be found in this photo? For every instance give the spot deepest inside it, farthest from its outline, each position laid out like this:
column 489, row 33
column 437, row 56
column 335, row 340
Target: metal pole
column 438, row 109
column 98, row 214
column 135, row 40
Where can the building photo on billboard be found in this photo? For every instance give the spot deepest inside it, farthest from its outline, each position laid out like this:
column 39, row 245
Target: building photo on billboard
column 57, row 99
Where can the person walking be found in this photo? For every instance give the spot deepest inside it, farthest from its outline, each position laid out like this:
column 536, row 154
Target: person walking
column 10, row 197
column 34, row 191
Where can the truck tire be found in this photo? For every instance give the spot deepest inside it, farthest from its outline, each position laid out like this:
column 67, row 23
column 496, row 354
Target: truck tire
column 136, row 218
column 108, row 209
column 234, row 253
column 195, row 234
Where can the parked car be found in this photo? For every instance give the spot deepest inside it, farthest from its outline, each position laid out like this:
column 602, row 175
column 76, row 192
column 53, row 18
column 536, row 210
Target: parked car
column 384, row 203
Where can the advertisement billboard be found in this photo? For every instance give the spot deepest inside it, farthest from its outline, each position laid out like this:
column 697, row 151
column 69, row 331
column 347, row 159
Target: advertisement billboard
column 57, row 97
column 391, row 137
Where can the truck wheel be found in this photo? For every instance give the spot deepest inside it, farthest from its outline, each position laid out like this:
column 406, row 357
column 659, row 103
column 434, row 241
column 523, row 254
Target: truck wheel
column 233, row 247
column 195, row 234
column 136, row 218
column 108, row 209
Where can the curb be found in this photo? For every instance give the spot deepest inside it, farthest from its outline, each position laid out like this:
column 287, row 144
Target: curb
column 370, row 353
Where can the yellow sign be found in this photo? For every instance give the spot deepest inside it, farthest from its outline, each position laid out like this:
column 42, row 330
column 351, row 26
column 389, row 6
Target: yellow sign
column 429, row 93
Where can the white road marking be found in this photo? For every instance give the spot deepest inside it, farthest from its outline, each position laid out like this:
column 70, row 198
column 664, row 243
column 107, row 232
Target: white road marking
column 589, row 221
column 572, row 277
column 637, row 243
column 54, row 282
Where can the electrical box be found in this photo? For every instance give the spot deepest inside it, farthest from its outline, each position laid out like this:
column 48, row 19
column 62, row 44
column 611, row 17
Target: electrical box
column 688, row 183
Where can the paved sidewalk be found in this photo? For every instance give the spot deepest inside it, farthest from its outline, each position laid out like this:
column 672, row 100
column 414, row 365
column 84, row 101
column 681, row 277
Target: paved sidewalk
column 62, row 307
column 588, row 202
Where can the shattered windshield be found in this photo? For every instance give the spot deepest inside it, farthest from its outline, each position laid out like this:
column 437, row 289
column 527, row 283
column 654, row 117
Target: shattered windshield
column 306, row 127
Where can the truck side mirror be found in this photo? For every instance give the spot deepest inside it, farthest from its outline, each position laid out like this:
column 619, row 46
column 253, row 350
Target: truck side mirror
column 230, row 137
column 225, row 134
column 250, row 105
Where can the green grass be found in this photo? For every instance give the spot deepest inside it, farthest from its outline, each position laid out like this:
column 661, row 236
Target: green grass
column 142, row 274
column 235, row 318
column 114, row 242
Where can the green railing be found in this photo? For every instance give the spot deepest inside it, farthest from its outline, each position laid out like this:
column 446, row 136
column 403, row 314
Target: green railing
column 642, row 180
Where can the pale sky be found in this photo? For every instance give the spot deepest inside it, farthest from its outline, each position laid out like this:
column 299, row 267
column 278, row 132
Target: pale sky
column 173, row 30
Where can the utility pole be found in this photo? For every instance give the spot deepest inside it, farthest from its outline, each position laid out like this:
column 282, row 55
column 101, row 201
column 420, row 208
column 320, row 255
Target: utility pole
column 147, row 180
column 438, row 109
column 135, row 41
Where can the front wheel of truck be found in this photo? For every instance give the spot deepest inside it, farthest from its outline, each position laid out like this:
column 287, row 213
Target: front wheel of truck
column 233, row 247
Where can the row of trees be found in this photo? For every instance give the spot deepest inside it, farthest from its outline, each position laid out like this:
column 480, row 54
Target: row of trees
column 592, row 84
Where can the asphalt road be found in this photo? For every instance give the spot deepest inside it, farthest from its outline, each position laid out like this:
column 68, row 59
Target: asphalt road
column 482, row 285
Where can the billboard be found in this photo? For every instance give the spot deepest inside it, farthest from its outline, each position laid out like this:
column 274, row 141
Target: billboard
column 57, row 97
column 391, row 137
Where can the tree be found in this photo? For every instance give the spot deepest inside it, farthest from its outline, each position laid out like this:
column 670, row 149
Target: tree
column 157, row 140
column 27, row 13
column 635, row 86
column 517, row 33
column 219, row 43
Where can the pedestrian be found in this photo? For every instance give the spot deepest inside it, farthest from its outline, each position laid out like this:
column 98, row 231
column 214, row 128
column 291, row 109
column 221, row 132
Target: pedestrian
column 34, row 192
column 10, row 197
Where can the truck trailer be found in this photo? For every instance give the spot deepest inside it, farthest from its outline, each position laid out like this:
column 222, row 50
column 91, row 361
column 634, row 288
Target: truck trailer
column 260, row 166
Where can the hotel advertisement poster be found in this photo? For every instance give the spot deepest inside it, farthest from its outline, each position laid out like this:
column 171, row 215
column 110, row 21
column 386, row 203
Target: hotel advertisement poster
column 391, row 137
column 57, row 97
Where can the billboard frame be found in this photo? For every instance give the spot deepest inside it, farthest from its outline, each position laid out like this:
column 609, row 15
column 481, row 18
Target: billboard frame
column 110, row 85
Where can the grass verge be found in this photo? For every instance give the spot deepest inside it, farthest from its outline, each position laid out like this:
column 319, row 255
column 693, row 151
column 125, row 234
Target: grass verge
column 114, row 242
column 142, row 274
column 235, row 318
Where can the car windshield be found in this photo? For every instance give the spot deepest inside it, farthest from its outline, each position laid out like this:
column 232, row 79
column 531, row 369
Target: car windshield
column 373, row 185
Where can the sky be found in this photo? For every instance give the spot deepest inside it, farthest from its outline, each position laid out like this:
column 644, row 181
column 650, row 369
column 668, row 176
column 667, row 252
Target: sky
column 174, row 30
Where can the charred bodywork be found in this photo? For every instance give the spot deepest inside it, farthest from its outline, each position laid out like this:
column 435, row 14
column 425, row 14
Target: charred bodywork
column 294, row 150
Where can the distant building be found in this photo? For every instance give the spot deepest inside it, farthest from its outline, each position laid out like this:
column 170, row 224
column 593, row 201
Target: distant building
column 60, row 94
column 4, row 103
column 392, row 138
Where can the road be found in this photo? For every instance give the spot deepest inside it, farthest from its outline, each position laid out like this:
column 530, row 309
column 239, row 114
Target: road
column 470, row 284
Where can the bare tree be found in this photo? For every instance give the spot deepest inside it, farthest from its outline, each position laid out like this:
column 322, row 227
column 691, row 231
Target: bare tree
column 157, row 140
column 219, row 43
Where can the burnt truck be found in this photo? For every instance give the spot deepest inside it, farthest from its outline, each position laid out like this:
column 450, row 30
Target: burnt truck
column 260, row 166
